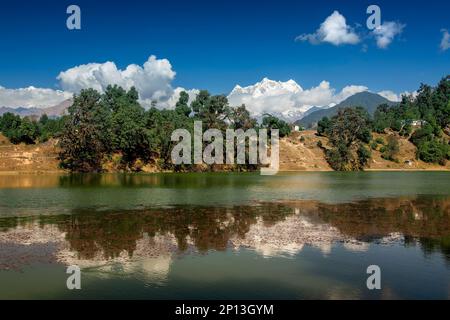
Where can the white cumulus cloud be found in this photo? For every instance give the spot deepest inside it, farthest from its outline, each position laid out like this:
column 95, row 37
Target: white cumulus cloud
column 392, row 96
column 348, row 91
column 152, row 80
column 333, row 30
column 31, row 97
column 172, row 100
column 445, row 42
column 336, row 31
column 385, row 33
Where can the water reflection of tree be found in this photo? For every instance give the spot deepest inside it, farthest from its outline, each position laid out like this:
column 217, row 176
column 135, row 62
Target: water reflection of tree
column 422, row 220
column 207, row 228
column 179, row 181
column 10, row 223
column 376, row 218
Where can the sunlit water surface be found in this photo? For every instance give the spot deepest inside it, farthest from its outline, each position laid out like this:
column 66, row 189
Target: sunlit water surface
column 226, row 236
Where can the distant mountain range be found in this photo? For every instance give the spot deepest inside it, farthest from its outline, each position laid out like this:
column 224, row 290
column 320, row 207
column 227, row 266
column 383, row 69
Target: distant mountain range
column 284, row 100
column 368, row 100
column 306, row 117
column 292, row 115
column 52, row 112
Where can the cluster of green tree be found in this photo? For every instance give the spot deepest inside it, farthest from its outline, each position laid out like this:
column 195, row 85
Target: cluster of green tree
column 390, row 150
column 270, row 121
column 374, row 143
column 348, row 132
column 351, row 129
column 432, row 147
column 28, row 130
column 100, row 126
column 430, row 111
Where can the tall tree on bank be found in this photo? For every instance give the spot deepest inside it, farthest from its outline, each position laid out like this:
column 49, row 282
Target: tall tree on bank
column 161, row 124
column 270, row 122
column 213, row 111
column 348, row 133
column 182, row 107
column 240, row 119
column 85, row 139
column 129, row 136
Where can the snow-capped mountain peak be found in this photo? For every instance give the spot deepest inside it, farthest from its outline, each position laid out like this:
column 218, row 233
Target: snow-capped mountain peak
column 269, row 96
column 267, row 87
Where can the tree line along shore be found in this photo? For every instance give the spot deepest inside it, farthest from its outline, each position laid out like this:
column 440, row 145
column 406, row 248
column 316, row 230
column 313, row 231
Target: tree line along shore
column 111, row 132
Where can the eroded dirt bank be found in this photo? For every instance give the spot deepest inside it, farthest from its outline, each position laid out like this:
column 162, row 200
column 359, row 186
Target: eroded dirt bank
column 298, row 152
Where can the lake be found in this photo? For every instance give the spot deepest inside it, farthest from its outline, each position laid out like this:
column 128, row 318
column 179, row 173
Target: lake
column 305, row 235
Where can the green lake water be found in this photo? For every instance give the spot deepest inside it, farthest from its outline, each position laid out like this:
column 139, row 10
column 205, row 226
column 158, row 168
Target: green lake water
column 226, row 236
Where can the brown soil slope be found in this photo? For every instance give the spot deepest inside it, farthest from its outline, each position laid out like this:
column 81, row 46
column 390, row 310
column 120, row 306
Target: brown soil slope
column 303, row 154
column 298, row 152
column 406, row 158
column 28, row 158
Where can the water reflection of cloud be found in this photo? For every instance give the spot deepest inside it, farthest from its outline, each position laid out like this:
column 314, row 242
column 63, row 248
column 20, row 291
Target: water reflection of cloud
column 154, row 270
column 356, row 246
column 288, row 237
column 150, row 260
column 32, row 233
column 145, row 241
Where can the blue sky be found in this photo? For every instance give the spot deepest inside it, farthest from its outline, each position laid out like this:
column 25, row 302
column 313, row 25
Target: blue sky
column 218, row 44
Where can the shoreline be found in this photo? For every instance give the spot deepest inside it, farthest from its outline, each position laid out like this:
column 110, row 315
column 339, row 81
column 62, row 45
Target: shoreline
column 62, row 172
